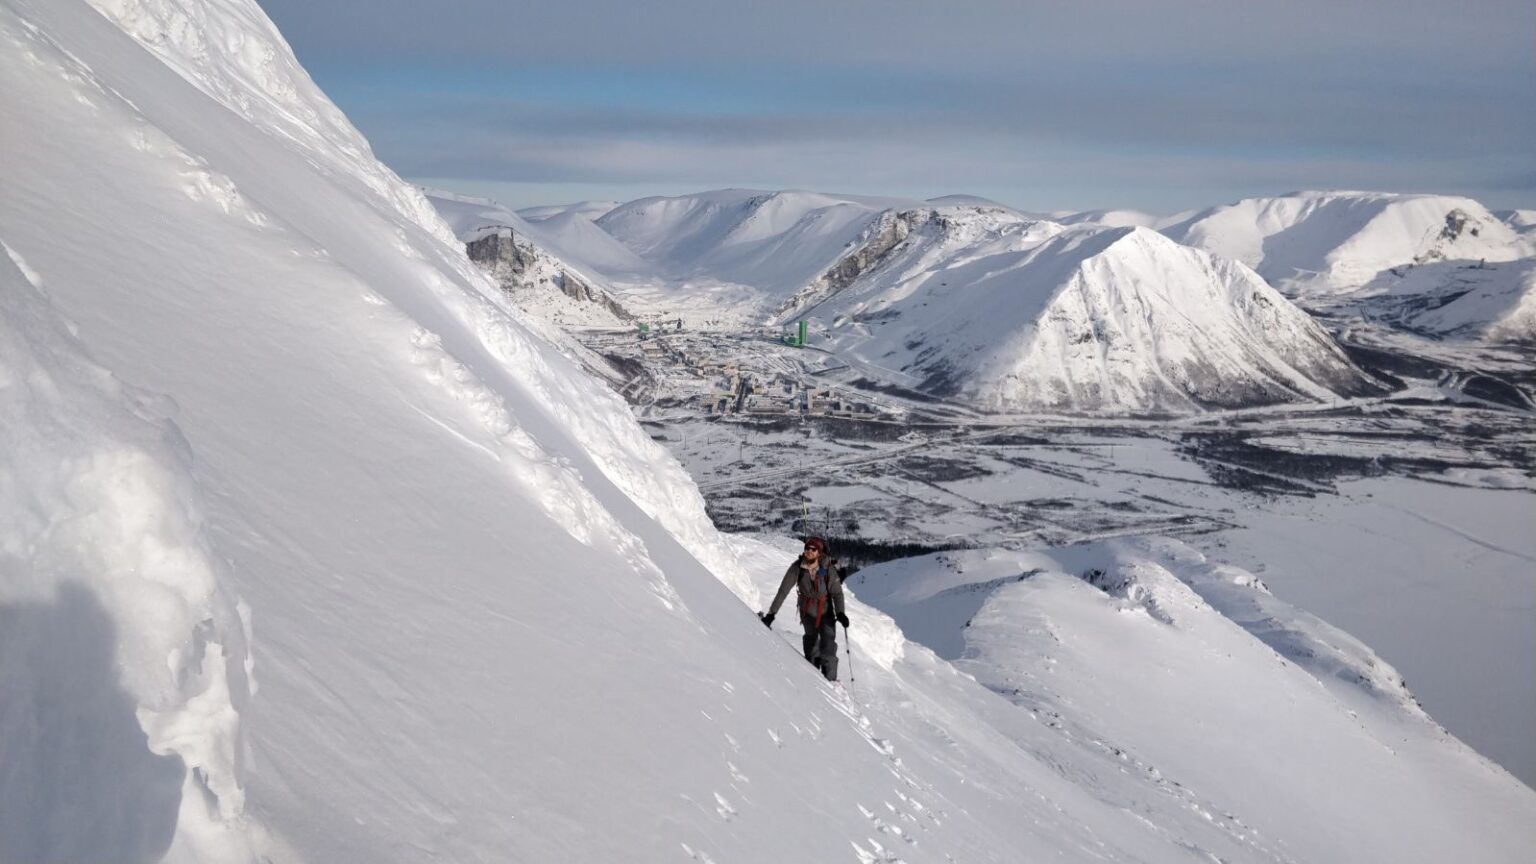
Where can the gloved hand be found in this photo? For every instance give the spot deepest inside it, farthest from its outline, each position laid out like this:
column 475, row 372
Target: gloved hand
column 843, row 620
column 767, row 619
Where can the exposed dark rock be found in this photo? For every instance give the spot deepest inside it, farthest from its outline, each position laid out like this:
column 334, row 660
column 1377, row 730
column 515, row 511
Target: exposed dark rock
column 509, row 262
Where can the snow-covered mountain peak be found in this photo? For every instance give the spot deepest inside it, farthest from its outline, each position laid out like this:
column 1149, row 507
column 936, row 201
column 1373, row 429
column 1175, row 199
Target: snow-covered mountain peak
column 1135, row 320
column 858, row 265
column 1333, row 241
column 1008, row 313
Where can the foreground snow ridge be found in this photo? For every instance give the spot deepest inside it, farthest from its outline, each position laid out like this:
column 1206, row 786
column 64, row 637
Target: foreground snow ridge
column 123, row 660
column 1195, row 677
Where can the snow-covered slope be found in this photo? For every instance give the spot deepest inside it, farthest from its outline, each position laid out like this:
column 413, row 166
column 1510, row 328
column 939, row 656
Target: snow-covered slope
column 1010, row 314
column 487, row 616
column 773, row 242
column 1335, row 241
column 1211, row 661
column 1522, row 221
column 1496, row 302
column 569, row 235
column 577, row 236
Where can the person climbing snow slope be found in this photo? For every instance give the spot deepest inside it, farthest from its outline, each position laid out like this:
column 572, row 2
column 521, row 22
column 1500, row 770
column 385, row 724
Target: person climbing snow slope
column 820, row 585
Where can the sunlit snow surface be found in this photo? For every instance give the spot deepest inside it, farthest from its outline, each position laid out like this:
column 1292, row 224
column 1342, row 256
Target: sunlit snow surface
column 488, row 617
column 1174, row 664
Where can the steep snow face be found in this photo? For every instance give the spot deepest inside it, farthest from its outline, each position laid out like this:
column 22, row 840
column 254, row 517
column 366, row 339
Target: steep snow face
column 1013, row 315
column 231, row 51
column 385, row 457
column 1066, row 634
column 1334, row 241
column 123, row 662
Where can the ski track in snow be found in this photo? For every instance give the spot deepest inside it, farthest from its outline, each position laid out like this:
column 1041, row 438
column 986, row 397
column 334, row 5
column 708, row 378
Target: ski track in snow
column 1462, row 533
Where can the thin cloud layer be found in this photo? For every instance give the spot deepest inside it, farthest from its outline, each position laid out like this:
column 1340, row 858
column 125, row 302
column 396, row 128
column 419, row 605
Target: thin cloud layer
column 1044, row 105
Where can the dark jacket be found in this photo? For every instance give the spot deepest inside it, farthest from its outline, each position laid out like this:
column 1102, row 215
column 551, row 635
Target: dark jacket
column 827, row 575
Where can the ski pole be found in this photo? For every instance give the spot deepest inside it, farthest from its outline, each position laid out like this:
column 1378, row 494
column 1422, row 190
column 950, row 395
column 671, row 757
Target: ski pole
column 848, row 646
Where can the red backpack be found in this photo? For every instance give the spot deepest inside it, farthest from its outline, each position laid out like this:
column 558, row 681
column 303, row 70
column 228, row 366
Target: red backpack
column 815, row 601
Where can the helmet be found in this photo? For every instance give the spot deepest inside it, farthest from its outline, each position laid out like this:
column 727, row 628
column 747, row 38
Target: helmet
column 820, row 544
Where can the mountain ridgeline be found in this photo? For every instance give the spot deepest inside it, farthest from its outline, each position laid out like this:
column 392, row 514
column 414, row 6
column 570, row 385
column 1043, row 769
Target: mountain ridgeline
column 1103, row 312
column 976, row 302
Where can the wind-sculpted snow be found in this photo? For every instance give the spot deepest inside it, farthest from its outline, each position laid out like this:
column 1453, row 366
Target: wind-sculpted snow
column 230, row 51
column 123, row 663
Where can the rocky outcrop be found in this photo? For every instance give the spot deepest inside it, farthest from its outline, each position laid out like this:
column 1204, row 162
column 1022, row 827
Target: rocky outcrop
column 875, row 246
column 520, row 266
column 498, row 254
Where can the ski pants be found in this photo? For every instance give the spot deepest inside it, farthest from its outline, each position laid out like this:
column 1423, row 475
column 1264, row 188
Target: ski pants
column 821, row 643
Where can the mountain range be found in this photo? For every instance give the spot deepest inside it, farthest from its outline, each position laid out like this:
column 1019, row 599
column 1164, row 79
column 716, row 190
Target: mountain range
column 1106, row 311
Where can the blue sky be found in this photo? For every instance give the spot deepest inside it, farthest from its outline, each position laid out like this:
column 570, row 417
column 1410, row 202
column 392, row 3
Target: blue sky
column 1042, row 104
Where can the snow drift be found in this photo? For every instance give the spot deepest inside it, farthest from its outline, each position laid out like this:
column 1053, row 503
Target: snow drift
column 122, row 654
